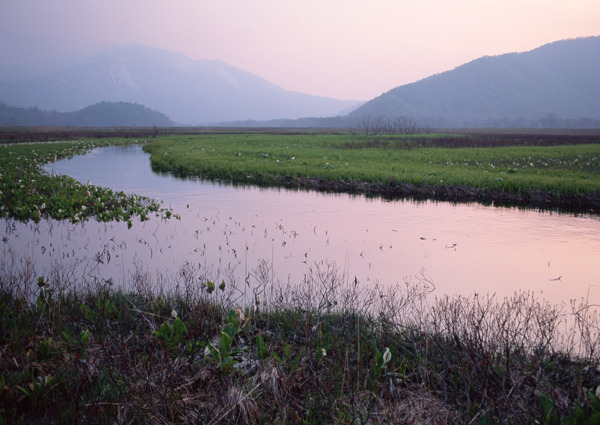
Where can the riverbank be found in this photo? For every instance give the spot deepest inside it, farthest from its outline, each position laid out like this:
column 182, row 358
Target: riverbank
column 531, row 171
column 541, row 199
column 103, row 356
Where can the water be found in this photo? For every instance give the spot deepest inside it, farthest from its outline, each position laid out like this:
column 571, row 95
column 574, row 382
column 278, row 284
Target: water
column 227, row 231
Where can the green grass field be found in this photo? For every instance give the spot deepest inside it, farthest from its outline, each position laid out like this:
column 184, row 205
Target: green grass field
column 572, row 170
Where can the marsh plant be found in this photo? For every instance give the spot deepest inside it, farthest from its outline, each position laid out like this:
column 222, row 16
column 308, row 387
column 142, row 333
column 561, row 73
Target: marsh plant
column 329, row 349
column 533, row 170
column 28, row 192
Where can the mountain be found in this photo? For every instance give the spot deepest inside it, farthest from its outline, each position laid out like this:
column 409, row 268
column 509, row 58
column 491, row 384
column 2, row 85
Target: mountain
column 104, row 114
column 188, row 91
column 557, row 80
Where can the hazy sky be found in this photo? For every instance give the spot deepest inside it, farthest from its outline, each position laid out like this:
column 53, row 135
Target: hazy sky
column 348, row 49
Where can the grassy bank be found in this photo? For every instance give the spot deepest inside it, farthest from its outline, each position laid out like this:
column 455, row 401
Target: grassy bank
column 29, row 193
column 347, row 356
column 427, row 166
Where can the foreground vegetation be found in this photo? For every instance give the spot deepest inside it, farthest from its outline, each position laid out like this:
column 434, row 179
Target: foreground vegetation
column 327, row 351
column 451, row 167
column 29, row 193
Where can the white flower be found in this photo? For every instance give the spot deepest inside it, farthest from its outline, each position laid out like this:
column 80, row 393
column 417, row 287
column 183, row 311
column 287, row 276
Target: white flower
column 598, row 391
column 173, row 314
column 206, row 351
column 387, row 356
column 323, row 352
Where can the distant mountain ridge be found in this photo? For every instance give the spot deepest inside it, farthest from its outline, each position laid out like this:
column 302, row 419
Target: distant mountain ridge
column 188, row 91
column 560, row 79
column 103, row 114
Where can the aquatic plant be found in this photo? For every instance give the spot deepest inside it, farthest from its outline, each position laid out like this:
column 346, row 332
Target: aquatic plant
column 27, row 192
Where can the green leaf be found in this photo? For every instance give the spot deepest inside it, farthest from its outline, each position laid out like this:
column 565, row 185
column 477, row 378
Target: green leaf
column 594, row 401
column 230, row 329
column 214, row 352
column 234, row 319
column 70, row 339
column 179, row 328
column 210, row 286
column 85, row 336
column 593, row 420
column 226, row 341
column 261, row 347
column 549, row 412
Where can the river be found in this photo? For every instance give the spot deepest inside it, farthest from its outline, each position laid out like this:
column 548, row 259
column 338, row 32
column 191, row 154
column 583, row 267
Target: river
column 229, row 233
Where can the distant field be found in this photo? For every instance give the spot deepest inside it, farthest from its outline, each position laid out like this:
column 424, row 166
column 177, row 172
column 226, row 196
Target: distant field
column 546, row 170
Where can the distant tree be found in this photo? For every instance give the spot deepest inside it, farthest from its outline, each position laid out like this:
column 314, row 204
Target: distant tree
column 373, row 125
column 552, row 120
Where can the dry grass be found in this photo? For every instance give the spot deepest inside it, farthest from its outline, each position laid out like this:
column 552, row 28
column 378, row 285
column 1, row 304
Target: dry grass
column 122, row 357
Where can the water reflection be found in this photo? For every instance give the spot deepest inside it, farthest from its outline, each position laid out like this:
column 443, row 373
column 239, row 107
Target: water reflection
column 228, row 230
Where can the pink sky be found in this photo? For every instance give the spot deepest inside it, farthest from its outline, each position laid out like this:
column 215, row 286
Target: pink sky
column 347, row 49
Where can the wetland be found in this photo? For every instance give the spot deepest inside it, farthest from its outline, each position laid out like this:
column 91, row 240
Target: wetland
column 203, row 278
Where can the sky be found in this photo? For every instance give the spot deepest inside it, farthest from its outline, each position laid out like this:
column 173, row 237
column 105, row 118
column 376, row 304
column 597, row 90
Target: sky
column 345, row 49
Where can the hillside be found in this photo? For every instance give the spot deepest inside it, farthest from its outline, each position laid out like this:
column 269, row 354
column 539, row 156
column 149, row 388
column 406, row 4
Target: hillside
column 188, row 91
column 560, row 80
column 104, row 114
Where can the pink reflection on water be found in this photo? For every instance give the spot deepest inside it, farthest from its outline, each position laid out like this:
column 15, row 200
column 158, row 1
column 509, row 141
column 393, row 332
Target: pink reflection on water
column 462, row 249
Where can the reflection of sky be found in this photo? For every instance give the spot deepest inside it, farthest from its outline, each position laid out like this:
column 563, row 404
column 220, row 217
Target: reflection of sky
column 461, row 248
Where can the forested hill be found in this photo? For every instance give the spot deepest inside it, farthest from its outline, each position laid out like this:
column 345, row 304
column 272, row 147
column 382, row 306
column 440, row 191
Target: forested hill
column 558, row 80
column 103, row 114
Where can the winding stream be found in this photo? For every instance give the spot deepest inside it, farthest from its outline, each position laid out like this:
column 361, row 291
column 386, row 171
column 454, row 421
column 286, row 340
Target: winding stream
column 226, row 231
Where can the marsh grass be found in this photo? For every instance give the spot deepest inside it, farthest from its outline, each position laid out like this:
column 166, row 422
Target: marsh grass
column 326, row 350
column 27, row 192
column 393, row 166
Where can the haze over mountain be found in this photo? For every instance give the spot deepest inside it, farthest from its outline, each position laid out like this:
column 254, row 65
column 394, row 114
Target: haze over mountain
column 103, row 114
column 560, row 80
column 188, row 91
